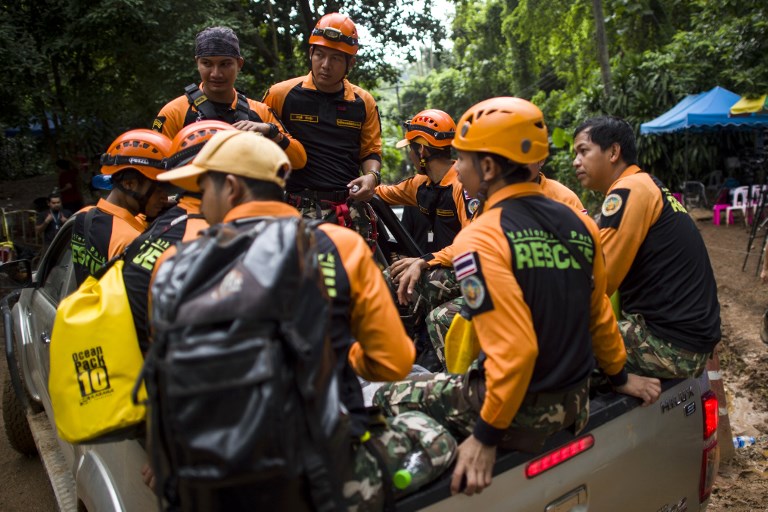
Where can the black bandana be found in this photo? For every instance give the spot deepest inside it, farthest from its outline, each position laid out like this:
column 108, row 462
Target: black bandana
column 217, row 42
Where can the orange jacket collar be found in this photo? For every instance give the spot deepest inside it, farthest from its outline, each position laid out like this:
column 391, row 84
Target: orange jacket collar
column 629, row 171
column 121, row 213
column 261, row 209
column 309, row 83
column 516, row 190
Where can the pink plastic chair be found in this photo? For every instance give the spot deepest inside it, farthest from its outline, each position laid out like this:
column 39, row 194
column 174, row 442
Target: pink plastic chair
column 717, row 210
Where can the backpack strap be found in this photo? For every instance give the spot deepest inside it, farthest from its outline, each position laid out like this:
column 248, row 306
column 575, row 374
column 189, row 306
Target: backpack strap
column 242, row 110
column 325, row 493
column 200, row 101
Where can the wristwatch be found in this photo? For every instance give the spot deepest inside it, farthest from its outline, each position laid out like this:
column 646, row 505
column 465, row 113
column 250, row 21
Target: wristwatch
column 274, row 131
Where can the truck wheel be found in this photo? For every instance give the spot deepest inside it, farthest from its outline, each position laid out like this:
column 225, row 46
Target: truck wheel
column 15, row 419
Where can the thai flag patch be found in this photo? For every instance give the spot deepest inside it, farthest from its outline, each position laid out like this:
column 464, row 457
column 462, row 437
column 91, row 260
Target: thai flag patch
column 465, row 265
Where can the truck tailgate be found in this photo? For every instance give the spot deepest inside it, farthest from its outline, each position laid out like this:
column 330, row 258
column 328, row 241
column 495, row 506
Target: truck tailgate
column 643, row 459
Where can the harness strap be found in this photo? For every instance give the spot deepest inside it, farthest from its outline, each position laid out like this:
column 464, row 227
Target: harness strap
column 201, row 102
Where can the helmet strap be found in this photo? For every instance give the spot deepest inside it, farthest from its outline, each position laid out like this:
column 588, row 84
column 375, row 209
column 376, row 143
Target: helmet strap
column 142, row 199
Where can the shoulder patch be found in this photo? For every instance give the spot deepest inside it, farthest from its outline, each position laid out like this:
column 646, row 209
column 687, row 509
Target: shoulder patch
column 612, row 204
column 473, row 205
column 472, row 283
column 613, row 208
column 158, row 123
column 465, row 265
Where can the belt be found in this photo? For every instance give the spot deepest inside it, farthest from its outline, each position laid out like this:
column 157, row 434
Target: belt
column 334, row 196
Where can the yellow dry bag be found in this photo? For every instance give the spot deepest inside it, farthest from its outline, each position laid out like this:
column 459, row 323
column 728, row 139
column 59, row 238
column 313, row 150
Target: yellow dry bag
column 461, row 345
column 95, row 360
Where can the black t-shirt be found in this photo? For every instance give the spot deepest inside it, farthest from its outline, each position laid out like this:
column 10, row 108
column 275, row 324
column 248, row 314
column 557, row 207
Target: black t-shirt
column 53, row 227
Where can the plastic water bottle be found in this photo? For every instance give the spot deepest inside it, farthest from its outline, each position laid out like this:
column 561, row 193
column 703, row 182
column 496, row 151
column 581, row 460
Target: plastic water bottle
column 742, row 441
column 415, row 472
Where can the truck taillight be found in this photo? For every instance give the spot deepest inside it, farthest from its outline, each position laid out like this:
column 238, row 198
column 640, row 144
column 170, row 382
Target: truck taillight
column 709, row 457
column 558, row 456
column 709, row 402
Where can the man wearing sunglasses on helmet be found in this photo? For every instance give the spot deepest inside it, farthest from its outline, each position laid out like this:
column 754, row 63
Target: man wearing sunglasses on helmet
column 338, row 125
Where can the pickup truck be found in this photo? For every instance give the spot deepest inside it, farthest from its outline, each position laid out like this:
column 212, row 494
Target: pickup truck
column 661, row 458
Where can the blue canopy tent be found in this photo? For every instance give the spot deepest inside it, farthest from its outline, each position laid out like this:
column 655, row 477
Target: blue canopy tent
column 706, row 111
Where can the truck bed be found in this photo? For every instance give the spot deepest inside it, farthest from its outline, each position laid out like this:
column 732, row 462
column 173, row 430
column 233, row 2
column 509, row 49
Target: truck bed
column 621, row 429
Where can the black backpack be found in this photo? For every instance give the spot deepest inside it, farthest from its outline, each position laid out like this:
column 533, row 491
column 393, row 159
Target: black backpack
column 243, row 404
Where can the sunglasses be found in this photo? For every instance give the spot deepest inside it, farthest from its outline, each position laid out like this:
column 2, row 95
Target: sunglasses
column 334, row 34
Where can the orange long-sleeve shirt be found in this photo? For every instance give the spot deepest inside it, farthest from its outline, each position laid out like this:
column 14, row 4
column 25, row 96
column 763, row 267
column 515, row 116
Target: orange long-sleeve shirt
column 555, row 190
column 444, row 204
column 339, row 131
column 657, row 260
column 516, row 278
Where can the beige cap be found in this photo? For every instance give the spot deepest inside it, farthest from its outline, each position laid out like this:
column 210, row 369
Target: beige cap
column 418, row 140
column 246, row 154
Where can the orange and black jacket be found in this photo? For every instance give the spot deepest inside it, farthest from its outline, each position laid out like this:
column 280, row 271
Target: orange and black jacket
column 179, row 113
column 550, row 188
column 112, row 229
column 339, row 131
column 366, row 330
column 658, row 261
column 444, row 204
column 183, row 222
column 539, row 320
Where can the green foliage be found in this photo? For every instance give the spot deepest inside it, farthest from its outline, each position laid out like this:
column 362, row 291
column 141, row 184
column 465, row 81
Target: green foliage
column 99, row 67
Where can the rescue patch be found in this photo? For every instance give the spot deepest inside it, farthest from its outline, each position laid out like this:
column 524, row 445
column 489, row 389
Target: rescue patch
column 346, row 123
column 613, row 208
column 473, row 205
column 474, row 291
column 158, row 123
column 465, row 265
column 612, row 205
column 305, row 118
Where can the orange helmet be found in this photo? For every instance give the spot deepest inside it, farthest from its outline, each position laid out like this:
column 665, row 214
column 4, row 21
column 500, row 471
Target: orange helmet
column 190, row 140
column 434, row 126
column 142, row 149
column 510, row 127
column 335, row 31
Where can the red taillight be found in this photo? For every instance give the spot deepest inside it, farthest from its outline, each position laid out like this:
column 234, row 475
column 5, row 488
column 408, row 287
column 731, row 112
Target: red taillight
column 709, row 402
column 709, row 457
column 553, row 458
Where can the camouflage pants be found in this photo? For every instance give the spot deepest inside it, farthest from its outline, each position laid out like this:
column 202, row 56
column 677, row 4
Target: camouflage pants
column 651, row 356
column 439, row 321
column 455, row 402
column 394, row 440
column 356, row 216
column 439, row 296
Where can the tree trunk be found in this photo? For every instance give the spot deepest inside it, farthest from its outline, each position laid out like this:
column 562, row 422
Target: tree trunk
column 602, row 46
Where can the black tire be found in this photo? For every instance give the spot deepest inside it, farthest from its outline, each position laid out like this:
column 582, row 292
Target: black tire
column 16, row 427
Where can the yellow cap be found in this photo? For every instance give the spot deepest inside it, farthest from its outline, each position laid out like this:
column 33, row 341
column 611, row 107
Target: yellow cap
column 246, row 154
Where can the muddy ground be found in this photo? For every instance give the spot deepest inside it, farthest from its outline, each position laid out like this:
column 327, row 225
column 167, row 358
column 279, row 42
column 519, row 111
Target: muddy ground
column 742, row 484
